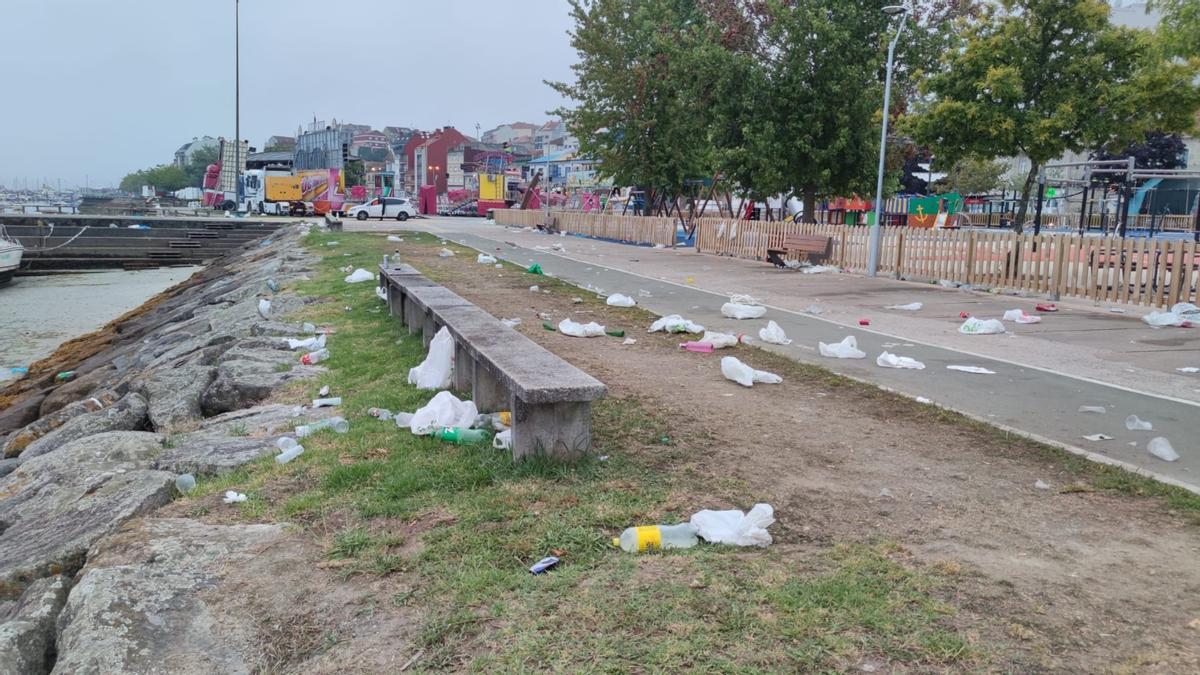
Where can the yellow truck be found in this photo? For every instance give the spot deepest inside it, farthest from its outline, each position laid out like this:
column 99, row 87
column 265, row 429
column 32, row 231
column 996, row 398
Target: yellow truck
column 274, row 192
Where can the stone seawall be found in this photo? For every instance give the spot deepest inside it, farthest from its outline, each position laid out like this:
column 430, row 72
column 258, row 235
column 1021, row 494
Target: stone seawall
column 178, row 387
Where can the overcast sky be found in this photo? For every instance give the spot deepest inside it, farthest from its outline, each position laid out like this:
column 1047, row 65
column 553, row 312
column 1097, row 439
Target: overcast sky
column 98, row 88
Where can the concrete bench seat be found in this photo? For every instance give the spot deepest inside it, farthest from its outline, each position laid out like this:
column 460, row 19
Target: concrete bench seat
column 550, row 399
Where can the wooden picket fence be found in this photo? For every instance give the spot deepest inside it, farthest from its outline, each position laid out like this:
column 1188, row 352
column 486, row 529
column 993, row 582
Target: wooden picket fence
column 633, row 229
column 1148, row 272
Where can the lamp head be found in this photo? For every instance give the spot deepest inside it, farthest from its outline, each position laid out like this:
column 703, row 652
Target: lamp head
column 895, row 10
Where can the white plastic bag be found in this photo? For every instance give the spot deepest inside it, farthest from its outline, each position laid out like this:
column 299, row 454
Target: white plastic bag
column 618, row 300
column 888, row 360
column 1187, row 310
column 445, row 253
column 443, row 410
column 359, row 275
column 744, row 375
column 264, row 307
column 312, row 344
column 485, row 259
column 232, row 497
column 380, row 293
column 773, row 334
column 820, row 269
column 973, row 326
column 503, row 440
column 1020, row 316
column 719, row 340
column 846, row 349
column 735, row 310
column 734, row 527
column 392, row 237
column 744, row 299
column 1163, row 319
column 910, row 307
column 673, row 323
column 434, row 371
column 972, row 369
column 574, row 329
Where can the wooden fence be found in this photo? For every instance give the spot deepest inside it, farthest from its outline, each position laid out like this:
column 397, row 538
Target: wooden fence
column 633, row 229
column 1148, row 272
column 1095, row 221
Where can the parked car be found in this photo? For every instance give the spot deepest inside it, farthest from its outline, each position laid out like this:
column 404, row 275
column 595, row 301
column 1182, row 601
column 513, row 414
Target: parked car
column 399, row 208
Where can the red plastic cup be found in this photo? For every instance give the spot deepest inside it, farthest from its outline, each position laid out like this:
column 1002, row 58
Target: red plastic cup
column 864, row 322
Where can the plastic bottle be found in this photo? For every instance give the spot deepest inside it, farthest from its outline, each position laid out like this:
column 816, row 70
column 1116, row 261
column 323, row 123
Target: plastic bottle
column 615, row 333
column 380, row 413
column 286, row 443
column 185, row 483
column 289, row 454
column 497, row 420
column 656, row 537
column 461, row 436
column 338, row 424
column 699, row 347
column 327, row 402
column 308, row 327
column 314, row 357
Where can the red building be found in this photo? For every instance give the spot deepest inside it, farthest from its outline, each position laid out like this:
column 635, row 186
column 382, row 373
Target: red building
column 426, row 158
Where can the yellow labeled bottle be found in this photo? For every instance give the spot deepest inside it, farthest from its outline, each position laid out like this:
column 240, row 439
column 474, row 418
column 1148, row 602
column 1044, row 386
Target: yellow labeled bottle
column 656, row 537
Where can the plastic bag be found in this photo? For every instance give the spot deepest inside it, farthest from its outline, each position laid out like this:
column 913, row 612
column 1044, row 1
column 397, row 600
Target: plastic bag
column 719, row 340
column 846, row 349
column 380, row 293
column 1020, row 316
column 1186, row 310
column 359, row 275
column 392, row 237
column 973, row 326
column 888, row 360
column 264, row 307
column 734, row 527
column 434, row 371
column 313, row 343
column 503, row 440
column 744, row 375
column 744, row 299
column 673, row 323
column 1161, row 448
column 445, row 253
column 910, row 307
column 735, row 310
column 1163, row 319
column 972, row 369
column 574, row 329
column 820, row 269
column 485, row 259
column 773, row 334
column 618, row 300
column 1135, row 423
column 443, row 410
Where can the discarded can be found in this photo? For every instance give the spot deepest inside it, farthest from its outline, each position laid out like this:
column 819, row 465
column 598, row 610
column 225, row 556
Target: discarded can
column 64, row 376
column 544, row 564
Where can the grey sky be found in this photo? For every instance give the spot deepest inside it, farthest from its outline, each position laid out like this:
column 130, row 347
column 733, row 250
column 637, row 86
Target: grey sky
column 103, row 87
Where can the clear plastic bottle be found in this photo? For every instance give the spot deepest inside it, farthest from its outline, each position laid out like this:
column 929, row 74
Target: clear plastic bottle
column 185, row 483
column 289, row 454
column 314, row 357
column 656, row 537
column 286, row 443
column 338, row 424
column 324, row 402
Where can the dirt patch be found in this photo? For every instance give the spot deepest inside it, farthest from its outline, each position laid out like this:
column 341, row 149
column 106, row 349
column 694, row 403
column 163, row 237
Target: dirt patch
column 1055, row 579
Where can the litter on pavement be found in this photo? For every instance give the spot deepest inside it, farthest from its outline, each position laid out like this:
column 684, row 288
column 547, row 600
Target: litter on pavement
column 735, row 370
column 737, row 310
column 673, row 323
column 629, row 341
column 889, row 360
column 511, row 323
column 846, row 349
column 910, row 307
column 1020, row 316
column 1135, row 423
column 973, row 326
column 1097, row 437
column 864, row 322
column 1097, row 409
column 485, row 259
column 820, row 269
column 972, row 369
column 734, row 527
column 774, row 334
column 1046, row 307
column 1161, row 448
column 1165, row 319
column 1189, row 369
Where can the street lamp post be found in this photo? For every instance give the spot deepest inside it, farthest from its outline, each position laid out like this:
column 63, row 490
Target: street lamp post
column 873, row 245
column 237, row 104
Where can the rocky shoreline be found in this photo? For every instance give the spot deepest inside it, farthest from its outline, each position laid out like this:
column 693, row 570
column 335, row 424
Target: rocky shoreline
column 179, row 388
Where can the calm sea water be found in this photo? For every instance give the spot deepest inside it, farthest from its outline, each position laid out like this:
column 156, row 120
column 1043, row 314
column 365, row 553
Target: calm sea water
column 39, row 313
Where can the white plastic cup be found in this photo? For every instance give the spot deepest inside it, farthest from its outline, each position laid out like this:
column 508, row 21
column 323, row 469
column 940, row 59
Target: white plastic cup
column 289, row 454
column 286, row 443
column 326, row 402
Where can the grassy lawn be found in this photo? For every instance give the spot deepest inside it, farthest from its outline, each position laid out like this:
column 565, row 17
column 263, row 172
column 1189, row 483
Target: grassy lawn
column 456, row 528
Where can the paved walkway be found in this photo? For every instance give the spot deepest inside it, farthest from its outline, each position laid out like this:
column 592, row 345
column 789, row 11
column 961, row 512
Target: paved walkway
column 1081, row 355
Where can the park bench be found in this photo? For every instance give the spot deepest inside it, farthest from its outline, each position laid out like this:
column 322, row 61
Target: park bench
column 811, row 246
column 550, row 399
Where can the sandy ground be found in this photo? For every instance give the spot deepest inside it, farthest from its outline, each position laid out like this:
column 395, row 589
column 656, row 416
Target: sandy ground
column 1058, row 580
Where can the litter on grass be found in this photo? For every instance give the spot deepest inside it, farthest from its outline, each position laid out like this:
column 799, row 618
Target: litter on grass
column 846, row 349
column 1097, row 437
column 910, row 307
column 972, row 369
column 773, row 334
column 575, row 329
column 434, row 372
column 1020, row 316
column 1161, row 448
column 232, row 497
column 503, row 440
column 973, row 326
column 359, row 275
column 618, row 300
column 380, row 293
column 734, row 527
column 673, row 323
column 889, row 360
column 445, row 253
column 443, row 410
column 485, row 259
column 312, row 343
column 1135, row 423
column 392, row 237
column 718, row 340
column 735, row 370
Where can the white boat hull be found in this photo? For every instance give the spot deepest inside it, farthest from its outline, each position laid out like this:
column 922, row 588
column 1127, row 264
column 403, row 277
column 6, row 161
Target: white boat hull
column 10, row 259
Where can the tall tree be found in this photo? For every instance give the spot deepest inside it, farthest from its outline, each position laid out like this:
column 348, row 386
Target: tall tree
column 164, row 177
column 639, row 97
column 1041, row 77
column 1179, row 27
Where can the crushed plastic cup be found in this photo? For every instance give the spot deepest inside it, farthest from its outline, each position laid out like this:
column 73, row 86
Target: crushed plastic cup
column 313, row 358
column 379, row 413
column 185, row 483
column 338, row 424
column 286, row 443
column 1161, row 448
column 1134, row 423
column 327, row 402
column 323, row 391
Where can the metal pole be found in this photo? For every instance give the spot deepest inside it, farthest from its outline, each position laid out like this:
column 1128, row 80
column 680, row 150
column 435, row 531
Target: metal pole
column 1083, row 198
column 1196, row 225
column 873, row 243
column 237, row 104
column 1123, row 201
column 1037, row 214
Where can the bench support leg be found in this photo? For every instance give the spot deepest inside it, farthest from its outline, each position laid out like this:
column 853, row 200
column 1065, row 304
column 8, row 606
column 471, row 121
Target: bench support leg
column 413, row 316
column 487, row 392
column 395, row 303
column 560, row 430
column 464, row 368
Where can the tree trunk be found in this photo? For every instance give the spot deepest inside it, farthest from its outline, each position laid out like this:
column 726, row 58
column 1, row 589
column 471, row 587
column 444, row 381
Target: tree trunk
column 810, row 203
column 1023, row 206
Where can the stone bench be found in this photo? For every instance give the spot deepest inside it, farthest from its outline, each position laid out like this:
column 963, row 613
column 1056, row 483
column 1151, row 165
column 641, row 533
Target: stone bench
column 550, row 399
